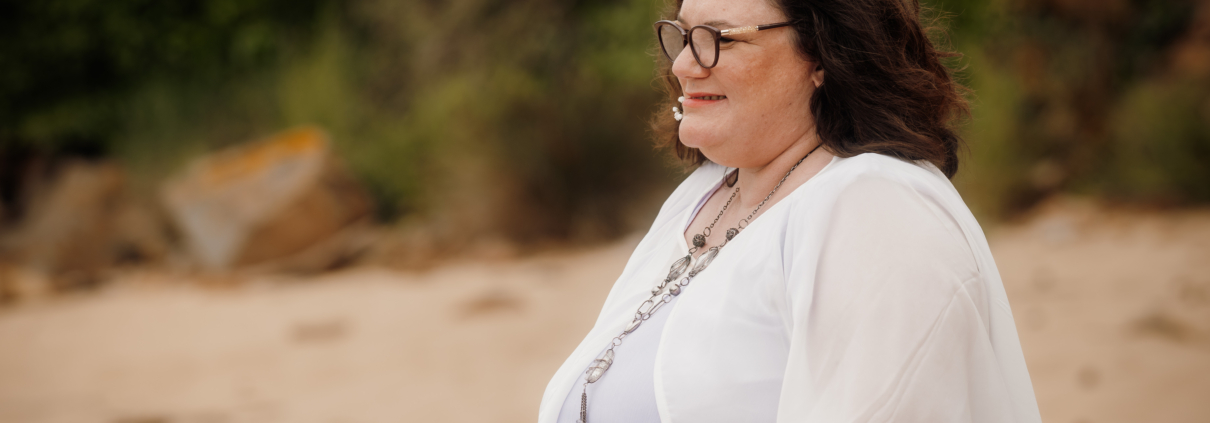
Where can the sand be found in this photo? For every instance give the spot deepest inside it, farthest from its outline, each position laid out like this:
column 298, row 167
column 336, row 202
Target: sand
column 1113, row 308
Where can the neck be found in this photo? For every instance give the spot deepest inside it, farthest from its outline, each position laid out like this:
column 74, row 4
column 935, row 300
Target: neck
column 755, row 183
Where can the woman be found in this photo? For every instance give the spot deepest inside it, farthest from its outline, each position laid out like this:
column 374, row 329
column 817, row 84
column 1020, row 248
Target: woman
column 833, row 272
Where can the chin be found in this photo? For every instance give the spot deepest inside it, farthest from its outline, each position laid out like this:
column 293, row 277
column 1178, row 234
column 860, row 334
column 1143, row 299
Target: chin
column 696, row 135
column 709, row 139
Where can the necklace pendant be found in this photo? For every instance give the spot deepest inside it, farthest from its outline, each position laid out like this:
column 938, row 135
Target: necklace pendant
column 596, row 371
column 731, row 233
column 594, row 374
column 699, row 240
column 703, row 261
column 680, row 266
column 600, row 365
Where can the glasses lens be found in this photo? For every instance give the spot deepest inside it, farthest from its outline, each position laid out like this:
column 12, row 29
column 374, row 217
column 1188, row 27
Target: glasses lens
column 701, row 40
column 671, row 41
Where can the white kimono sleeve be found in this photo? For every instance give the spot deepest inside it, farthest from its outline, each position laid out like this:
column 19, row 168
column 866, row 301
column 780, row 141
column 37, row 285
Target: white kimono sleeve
column 889, row 317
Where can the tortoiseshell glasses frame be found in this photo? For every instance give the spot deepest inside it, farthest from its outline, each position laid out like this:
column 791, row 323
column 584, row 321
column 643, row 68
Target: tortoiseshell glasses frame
column 673, row 39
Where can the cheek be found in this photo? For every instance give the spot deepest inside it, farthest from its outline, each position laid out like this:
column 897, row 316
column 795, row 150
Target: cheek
column 774, row 96
column 781, row 85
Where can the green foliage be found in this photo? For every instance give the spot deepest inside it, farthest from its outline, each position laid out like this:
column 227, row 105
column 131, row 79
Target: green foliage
column 523, row 119
column 1160, row 150
column 527, row 119
column 69, row 64
column 1065, row 92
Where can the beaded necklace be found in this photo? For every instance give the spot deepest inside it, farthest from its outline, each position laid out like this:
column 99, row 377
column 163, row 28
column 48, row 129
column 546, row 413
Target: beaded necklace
column 663, row 292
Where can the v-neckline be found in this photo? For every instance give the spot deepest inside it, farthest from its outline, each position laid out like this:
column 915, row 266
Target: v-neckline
column 704, row 197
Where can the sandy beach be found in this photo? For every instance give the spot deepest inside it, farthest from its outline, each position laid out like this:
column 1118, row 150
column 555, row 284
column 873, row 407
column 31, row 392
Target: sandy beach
column 1113, row 309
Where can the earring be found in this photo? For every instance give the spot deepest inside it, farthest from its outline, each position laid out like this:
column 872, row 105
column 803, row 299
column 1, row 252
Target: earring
column 676, row 113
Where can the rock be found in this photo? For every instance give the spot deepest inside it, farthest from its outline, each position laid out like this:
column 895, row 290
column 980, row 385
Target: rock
column 83, row 222
column 265, row 202
column 67, row 228
column 19, row 284
column 342, row 248
column 141, row 233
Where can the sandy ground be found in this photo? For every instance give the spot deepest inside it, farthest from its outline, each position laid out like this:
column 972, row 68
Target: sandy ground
column 1113, row 310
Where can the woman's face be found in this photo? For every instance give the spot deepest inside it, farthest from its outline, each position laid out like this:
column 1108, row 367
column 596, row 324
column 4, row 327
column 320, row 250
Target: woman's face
column 765, row 84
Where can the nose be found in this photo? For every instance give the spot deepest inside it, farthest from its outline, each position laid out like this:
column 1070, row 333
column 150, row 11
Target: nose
column 686, row 66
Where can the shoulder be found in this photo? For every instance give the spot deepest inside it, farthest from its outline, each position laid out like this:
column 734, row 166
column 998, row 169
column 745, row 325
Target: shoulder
column 920, row 175
column 872, row 180
column 876, row 207
column 877, row 180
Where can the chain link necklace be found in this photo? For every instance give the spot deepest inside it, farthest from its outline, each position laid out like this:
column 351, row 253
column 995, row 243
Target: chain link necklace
column 663, row 292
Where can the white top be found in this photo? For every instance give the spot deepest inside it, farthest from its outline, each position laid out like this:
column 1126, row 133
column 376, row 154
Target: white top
column 626, row 393
column 867, row 294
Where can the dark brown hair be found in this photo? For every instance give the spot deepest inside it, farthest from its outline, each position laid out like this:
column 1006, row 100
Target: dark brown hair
column 885, row 87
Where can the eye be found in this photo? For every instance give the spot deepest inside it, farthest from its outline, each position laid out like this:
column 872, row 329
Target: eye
column 725, row 40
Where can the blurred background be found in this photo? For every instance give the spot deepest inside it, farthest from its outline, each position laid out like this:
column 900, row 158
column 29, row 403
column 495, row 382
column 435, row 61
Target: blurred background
column 411, row 210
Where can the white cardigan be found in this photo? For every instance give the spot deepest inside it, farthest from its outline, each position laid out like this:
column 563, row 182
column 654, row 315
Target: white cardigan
column 868, row 294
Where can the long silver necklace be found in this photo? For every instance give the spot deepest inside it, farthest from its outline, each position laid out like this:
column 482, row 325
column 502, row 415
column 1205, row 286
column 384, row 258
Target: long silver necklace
column 663, row 292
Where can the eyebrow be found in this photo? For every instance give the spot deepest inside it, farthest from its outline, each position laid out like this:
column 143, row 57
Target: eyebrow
column 720, row 24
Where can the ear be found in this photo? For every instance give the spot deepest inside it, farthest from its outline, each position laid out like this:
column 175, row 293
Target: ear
column 817, row 75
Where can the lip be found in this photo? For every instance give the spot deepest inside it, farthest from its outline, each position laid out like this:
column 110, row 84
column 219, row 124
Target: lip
column 694, row 100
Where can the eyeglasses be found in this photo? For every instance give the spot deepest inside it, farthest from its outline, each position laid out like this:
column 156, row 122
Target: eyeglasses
column 702, row 39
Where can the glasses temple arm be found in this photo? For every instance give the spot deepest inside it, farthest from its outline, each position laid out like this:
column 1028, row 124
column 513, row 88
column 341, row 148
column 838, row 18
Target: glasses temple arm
column 753, row 28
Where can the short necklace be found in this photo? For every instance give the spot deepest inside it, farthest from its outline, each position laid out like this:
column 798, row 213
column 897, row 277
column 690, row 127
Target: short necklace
column 658, row 295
